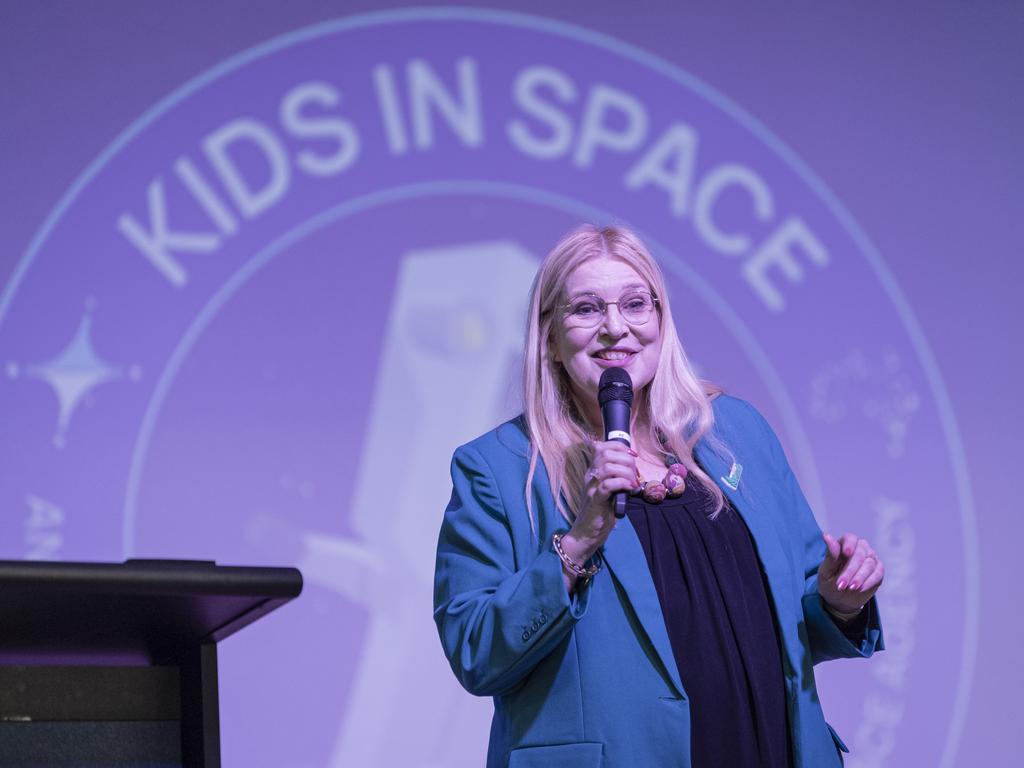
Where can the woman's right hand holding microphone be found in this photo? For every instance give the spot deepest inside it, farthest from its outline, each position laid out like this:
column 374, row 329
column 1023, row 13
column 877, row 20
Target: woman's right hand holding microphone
column 613, row 469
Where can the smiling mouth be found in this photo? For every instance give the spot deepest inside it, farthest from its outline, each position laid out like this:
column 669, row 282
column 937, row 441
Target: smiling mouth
column 613, row 355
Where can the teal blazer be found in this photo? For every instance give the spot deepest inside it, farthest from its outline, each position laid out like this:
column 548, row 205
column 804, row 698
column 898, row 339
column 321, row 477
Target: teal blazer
column 589, row 679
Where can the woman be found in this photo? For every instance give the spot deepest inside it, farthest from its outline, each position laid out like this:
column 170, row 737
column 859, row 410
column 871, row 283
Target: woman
column 684, row 634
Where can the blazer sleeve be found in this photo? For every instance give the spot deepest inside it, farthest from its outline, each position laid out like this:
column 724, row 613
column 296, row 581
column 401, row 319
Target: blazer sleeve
column 498, row 612
column 826, row 639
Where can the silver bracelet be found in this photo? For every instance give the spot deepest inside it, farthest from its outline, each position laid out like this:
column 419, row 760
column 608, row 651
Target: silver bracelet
column 584, row 573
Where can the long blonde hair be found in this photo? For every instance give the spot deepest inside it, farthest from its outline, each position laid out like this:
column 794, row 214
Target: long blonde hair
column 676, row 404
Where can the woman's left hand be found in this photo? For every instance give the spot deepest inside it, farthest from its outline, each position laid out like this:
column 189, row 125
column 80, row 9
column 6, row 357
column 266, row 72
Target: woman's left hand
column 850, row 573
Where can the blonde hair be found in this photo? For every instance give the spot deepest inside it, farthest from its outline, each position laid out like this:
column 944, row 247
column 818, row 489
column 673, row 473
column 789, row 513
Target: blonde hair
column 676, row 405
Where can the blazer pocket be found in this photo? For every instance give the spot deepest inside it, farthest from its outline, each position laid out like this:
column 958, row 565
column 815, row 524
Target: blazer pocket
column 584, row 753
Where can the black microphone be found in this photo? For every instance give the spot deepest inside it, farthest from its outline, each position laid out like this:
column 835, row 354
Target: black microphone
column 615, row 396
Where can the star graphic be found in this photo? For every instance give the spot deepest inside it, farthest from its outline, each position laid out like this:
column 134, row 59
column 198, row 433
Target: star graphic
column 73, row 373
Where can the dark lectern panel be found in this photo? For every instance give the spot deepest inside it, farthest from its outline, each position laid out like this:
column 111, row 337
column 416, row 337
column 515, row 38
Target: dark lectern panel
column 89, row 693
column 78, row 744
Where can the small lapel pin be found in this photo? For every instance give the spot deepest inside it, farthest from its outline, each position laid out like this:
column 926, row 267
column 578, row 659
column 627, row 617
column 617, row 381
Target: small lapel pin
column 733, row 480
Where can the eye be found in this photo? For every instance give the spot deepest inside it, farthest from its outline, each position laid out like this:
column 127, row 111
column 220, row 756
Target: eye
column 584, row 308
column 634, row 302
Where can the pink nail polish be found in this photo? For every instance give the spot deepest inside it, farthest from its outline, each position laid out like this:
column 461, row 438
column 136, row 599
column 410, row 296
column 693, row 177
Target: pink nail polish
column 854, row 585
column 841, row 584
column 633, row 453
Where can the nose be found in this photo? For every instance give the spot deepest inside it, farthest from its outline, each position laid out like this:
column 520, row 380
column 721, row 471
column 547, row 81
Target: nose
column 613, row 324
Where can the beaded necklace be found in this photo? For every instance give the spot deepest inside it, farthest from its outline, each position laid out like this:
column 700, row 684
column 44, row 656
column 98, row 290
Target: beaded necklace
column 673, row 484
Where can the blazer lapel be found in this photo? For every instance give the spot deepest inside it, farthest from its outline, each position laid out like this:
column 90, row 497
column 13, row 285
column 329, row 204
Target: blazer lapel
column 625, row 558
column 775, row 560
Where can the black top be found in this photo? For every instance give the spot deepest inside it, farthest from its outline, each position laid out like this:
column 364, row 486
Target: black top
column 721, row 626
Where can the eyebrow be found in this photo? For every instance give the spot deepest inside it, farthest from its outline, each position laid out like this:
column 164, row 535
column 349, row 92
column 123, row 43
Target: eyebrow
column 632, row 287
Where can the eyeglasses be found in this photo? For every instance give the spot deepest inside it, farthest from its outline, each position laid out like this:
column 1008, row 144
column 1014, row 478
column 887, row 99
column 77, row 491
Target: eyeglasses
column 588, row 310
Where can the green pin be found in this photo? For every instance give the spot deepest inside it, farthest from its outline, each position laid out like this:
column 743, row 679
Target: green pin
column 733, row 480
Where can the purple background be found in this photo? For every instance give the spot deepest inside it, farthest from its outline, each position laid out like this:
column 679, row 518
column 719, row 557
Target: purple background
column 908, row 115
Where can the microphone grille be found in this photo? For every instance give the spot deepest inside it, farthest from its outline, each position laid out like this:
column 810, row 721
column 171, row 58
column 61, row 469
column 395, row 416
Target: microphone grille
column 615, row 384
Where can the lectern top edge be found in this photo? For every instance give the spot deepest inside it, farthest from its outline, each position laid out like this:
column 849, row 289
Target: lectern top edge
column 153, row 577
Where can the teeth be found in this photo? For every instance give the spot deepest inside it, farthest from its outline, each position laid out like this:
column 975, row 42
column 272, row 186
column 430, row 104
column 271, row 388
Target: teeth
column 612, row 355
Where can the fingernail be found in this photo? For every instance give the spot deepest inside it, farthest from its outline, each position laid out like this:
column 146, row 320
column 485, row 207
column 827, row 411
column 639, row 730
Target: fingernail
column 854, row 585
column 632, row 452
column 841, row 584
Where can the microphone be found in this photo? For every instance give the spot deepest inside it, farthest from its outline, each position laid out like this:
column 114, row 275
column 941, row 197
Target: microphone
column 615, row 396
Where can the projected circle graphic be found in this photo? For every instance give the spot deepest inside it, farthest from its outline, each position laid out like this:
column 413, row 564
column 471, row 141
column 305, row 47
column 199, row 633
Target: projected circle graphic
column 258, row 324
